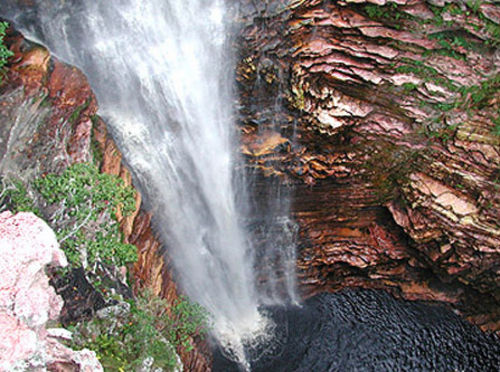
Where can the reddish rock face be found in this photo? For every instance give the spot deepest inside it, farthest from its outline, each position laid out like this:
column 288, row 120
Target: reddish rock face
column 388, row 115
column 64, row 129
column 382, row 128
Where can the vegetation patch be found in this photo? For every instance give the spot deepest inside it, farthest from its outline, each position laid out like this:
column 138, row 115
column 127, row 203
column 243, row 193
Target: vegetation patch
column 389, row 14
column 80, row 204
column 490, row 27
column 85, row 203
column 78, row 111
column 480, row 94
column 496, row 128
column 5, row 53
column 97, row 153
column 148, row 331
column 15, row 198
column 426, row 73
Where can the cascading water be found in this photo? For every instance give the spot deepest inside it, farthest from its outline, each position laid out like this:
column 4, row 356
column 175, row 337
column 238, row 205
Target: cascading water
column 162, row 71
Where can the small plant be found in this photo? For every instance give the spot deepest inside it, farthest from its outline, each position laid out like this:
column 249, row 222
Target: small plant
column 14, row 197
column 150, row 329
column 5, row 53
column 481, row 93
column 86, row 203
column 409, row 87
column 496, row 128
column 474, row 5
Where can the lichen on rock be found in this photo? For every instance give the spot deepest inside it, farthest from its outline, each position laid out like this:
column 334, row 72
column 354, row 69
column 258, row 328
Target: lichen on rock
column 28, row 302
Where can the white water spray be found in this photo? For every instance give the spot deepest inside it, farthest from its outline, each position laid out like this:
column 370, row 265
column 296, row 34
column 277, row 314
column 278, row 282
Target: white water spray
column 163, row 73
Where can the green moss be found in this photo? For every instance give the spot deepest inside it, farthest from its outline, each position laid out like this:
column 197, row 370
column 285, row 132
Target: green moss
column 416, row 67
column 473, row 11
column 449, row 40
column 390, row 11
column 426, row 73
column 496, row 129
column 409, row 87
column 444, row 107
column 480, row 94
column 454, row 9
column 97, row 153
column 442, row 135
column 474, row 5
column 493, row 29
column 78, row 111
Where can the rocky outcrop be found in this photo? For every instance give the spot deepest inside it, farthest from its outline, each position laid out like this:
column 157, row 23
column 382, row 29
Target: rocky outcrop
column 379, row 117
column 28, row 302
column 383, row 115
column 51, row 122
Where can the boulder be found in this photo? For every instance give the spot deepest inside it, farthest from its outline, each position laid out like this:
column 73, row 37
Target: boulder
column 28, row 302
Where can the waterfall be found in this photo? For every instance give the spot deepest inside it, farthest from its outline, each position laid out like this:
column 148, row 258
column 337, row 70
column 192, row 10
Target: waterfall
column 163, row 74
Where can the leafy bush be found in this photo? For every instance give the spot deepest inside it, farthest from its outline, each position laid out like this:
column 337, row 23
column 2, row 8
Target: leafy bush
column 14, row 197
column 85, row 222
column 122, row 341
column 4, row 52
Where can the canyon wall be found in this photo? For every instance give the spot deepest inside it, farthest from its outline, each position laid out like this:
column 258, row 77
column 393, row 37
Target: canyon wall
column 50, row 122
column 383, row 118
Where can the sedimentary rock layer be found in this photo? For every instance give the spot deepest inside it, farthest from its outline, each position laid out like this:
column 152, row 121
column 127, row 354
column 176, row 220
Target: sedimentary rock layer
column 383, row 116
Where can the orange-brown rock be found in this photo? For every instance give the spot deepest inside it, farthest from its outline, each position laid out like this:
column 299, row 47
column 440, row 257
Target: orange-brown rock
column 389, row 109
column 70, row 131
column 152, row 270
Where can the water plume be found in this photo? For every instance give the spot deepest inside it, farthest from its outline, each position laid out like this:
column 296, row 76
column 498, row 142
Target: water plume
column 163, row 74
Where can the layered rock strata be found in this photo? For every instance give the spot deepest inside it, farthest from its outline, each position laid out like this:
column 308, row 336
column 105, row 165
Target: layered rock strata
column 383, row 116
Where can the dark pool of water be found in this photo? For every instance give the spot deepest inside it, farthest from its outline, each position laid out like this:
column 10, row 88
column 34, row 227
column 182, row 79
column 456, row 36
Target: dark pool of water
column 366, row 330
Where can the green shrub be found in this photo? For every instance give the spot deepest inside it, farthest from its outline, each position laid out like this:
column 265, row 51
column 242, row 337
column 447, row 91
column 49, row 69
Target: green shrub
column 14, row 197
column 4, row 52
column 87, row 202
column 122, row 341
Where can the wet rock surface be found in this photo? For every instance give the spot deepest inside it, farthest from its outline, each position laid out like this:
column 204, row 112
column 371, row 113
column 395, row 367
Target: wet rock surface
column 368, row 330
column 380, row 116
column 50, row 121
